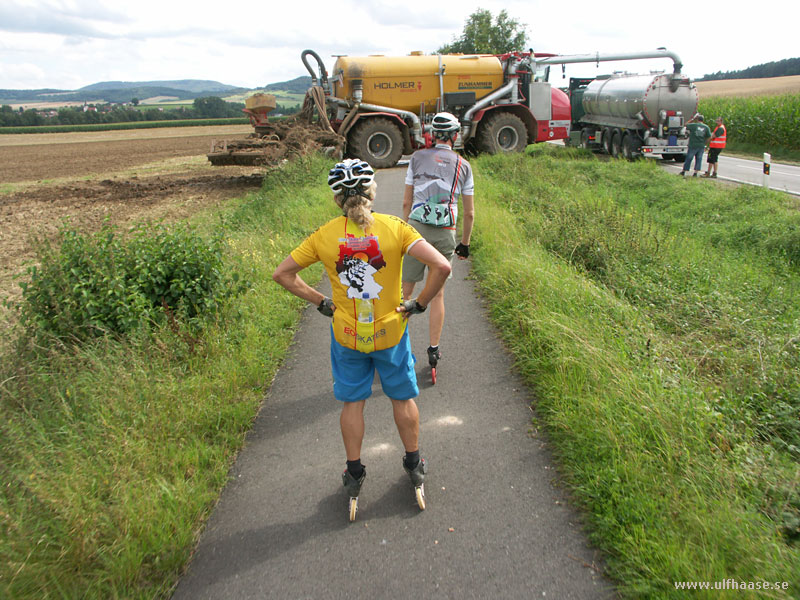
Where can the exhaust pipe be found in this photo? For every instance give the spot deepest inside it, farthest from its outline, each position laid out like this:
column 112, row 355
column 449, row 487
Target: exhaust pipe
column 485, row 101
column 416, row 127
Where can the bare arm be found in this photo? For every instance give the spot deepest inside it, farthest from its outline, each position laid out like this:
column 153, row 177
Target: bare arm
column 468, row 202
column 287, row 275
column 408, row 200
column 438, row 270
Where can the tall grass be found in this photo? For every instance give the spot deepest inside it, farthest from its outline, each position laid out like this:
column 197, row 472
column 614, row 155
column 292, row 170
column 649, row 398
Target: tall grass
column 656, row 320
column 770, row 122
column 662, row 342
column 113, row 452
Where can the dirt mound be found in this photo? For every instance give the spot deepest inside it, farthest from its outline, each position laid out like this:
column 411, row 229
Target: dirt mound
column 276, row 142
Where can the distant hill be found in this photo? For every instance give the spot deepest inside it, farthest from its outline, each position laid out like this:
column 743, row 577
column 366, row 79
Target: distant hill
column 187, row 85
column 781, row 68
column 122, row 91
column 298, row 85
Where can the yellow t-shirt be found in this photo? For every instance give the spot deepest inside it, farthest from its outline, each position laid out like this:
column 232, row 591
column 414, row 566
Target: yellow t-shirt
column 362, row 266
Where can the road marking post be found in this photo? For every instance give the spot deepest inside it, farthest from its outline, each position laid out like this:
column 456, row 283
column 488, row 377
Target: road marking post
column 767, row 161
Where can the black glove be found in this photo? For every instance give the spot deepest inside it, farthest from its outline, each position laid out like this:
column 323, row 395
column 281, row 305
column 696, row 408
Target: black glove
column 413, row 307
column 326, row 307
column 462, row 250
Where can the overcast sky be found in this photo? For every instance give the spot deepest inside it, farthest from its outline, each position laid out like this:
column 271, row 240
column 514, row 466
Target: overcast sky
column 67, row 44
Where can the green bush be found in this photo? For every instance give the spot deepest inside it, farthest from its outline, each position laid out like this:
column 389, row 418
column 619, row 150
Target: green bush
column 91, row 284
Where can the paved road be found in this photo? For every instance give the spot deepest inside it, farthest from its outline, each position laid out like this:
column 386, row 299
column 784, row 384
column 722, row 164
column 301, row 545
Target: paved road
column 782, row 177
column 498, row 525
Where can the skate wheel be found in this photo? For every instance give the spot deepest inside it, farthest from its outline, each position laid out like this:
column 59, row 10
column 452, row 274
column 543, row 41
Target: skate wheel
column 433, row 375
column 353, row 508
column 420, row 491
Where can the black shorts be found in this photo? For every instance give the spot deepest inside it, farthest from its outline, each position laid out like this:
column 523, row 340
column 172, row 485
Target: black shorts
column 713, row 153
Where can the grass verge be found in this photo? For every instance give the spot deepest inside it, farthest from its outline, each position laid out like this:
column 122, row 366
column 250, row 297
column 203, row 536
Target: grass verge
column 756, row 152
column 113, row 453
column 655, row 318
column 657, row 321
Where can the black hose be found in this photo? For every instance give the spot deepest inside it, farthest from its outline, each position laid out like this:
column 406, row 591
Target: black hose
column 323, row 74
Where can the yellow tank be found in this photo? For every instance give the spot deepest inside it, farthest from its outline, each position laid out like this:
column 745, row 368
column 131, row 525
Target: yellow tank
column 405, row 82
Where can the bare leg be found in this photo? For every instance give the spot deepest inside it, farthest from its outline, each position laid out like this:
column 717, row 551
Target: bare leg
column 406, row 417
column 352, row 423
column 436, row 321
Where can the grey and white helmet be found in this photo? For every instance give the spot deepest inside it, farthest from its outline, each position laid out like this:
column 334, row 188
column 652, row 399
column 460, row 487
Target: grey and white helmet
column 352, row 174
column 445, row 123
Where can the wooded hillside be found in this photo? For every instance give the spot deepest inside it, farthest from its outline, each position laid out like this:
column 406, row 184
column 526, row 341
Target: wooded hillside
column 781, row 68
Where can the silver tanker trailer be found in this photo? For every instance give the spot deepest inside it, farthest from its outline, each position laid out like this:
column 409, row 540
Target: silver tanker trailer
column 631, row 115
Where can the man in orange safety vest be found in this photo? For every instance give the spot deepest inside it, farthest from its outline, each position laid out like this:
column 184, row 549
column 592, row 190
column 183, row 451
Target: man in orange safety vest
column 715, row 146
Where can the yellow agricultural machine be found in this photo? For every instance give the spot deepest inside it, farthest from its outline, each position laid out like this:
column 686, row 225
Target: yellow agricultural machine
column 378, row 107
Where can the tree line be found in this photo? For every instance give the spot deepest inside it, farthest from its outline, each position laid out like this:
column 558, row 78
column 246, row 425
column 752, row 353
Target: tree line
column 210, row 107
column 780, row 68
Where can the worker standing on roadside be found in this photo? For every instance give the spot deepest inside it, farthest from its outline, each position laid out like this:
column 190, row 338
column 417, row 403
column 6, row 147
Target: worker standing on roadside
column 362, row 253
column 435, row 179
column 715, row 146
column 698, row 134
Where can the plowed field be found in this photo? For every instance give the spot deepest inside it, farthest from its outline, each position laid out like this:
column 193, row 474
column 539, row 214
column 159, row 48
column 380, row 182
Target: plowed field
column 115, row 177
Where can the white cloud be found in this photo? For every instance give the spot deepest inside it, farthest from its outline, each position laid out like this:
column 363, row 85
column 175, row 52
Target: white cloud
column 71, row 43
column 28, row 74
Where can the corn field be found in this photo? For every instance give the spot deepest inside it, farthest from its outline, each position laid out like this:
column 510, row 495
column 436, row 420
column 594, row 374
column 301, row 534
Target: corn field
column 773, row 121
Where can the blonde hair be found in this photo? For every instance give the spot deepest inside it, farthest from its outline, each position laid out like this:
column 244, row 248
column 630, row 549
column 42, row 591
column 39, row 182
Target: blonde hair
column 358, row 208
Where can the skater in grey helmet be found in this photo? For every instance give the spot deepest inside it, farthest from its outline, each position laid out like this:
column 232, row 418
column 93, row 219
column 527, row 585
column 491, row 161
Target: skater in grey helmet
column 435, row 179
column 362, row 253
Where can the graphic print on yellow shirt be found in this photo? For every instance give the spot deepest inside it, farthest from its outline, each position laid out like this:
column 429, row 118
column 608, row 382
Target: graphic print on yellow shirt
column 362, row 277
column 359, row 259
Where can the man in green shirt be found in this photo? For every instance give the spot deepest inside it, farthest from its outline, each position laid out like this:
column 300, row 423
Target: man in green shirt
column 698, row 135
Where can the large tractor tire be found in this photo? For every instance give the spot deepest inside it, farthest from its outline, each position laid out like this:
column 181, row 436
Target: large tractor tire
column 502, row 132
column 377, row 141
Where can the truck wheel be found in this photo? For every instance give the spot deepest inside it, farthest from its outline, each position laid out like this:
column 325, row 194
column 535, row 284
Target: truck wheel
column 607, row 133
column 585, row 134
column 631, row 146
column 502, row 132
column 616, row 144
column 377, row 141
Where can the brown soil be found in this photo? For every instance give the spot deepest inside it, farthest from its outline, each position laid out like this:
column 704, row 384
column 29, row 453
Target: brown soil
column 117, row 178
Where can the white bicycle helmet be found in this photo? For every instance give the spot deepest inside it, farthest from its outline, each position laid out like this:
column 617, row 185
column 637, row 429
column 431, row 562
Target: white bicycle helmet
column 445, row 124
column 351, row 174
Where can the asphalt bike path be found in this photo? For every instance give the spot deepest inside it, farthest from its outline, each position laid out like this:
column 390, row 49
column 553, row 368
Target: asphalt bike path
column 497, row 523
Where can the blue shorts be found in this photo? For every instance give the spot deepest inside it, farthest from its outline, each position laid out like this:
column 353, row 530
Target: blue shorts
column 354, row 371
